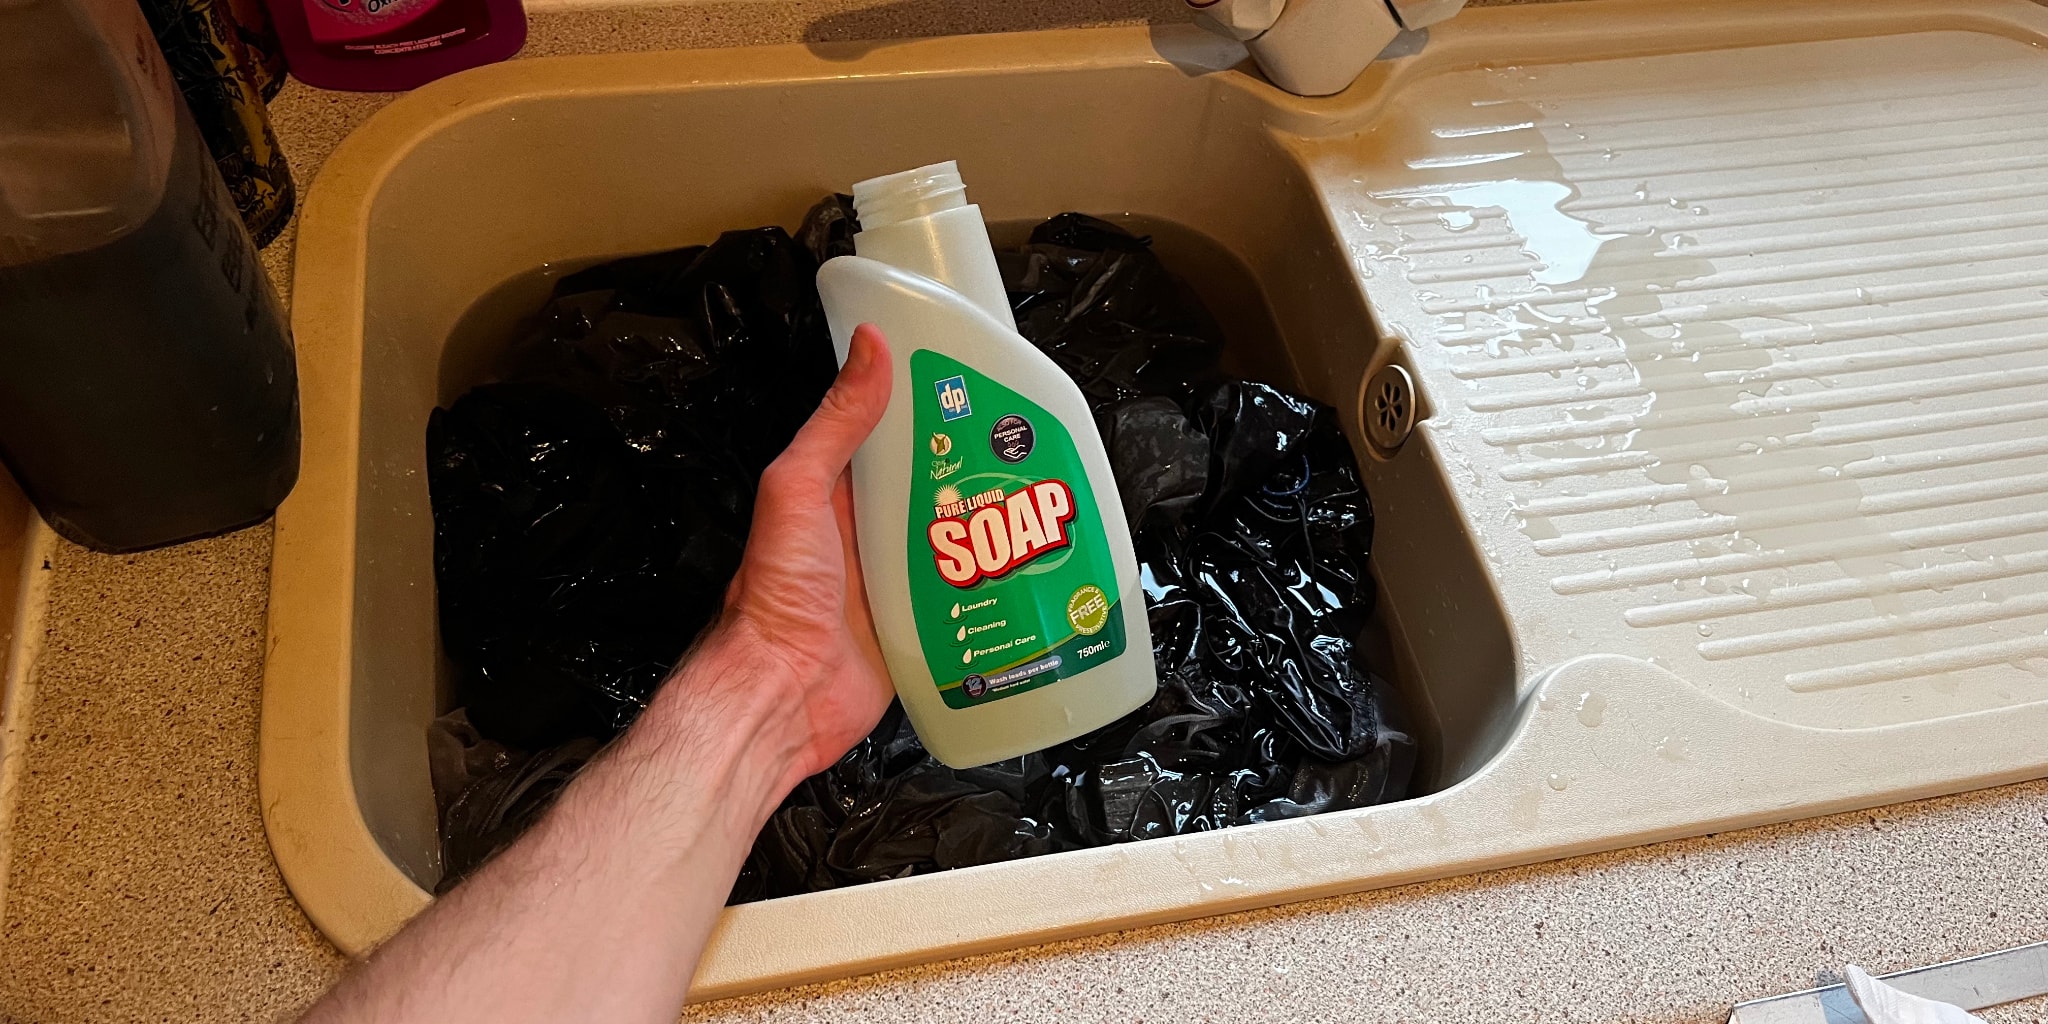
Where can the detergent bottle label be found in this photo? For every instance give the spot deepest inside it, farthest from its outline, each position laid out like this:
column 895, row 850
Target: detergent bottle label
column 1011, row 581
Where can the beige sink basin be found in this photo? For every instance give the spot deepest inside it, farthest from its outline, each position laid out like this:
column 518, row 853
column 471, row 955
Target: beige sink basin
column 1695, row 532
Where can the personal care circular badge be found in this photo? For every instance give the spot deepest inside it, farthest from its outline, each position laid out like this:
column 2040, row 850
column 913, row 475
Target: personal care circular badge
column 1088, row 610
column 1011, row 438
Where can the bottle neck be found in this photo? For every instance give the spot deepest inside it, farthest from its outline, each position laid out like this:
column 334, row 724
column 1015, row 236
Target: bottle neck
column 908, row 195
column 920, row 220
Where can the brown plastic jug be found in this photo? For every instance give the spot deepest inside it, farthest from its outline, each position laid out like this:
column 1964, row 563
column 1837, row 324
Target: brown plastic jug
column 148, row 392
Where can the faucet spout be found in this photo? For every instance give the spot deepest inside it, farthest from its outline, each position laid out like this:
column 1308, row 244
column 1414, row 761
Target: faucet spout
column 1319, row 47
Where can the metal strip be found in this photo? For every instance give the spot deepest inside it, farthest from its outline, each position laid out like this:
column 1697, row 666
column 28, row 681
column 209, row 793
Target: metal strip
column 1972, row 983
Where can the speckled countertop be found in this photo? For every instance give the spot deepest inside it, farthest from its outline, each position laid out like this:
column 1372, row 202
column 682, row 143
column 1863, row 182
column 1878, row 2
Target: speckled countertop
column 140, row 885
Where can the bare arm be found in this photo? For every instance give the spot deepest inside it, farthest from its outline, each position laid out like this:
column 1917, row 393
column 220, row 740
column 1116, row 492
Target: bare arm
column 600, row 913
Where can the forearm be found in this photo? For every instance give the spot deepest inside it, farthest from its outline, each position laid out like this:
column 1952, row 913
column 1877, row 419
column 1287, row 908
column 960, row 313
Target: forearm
column 601, row 911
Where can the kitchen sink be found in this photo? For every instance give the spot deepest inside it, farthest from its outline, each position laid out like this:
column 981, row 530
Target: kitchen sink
column 1723, row 505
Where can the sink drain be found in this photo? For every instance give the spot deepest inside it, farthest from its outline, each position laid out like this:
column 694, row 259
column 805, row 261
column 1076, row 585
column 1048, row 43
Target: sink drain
column 1388, row 408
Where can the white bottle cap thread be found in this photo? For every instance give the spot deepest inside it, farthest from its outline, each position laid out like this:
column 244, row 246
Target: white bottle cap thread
column 905, row 195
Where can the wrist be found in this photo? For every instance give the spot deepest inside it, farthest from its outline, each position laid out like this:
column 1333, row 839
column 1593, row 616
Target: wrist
column 721, row 723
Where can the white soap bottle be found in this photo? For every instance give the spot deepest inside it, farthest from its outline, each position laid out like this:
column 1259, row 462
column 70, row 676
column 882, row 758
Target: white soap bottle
column 998, row 564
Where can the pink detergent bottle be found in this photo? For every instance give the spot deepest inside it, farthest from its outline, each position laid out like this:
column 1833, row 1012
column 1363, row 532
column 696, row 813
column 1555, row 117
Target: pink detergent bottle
column 386, row 45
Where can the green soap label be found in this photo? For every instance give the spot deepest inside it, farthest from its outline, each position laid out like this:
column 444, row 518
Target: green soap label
column 1011, row 581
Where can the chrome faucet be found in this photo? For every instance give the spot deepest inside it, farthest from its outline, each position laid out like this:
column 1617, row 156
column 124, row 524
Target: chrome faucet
column 1318, row 47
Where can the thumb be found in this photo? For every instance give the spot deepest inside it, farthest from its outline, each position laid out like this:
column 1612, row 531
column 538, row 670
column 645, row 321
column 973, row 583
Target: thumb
column 845, row 417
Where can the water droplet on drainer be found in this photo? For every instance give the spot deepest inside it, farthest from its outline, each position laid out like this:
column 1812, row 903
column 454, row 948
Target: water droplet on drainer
column 1674, row 748
column 1592, row 709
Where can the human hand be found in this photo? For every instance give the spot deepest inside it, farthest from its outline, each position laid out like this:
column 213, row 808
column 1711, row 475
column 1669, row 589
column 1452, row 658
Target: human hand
column 797, row 611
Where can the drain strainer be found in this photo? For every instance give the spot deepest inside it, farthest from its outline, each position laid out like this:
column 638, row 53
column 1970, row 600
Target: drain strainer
column 1388, row 408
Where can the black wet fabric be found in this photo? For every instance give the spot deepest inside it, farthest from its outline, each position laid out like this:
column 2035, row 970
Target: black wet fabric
column 591, row 505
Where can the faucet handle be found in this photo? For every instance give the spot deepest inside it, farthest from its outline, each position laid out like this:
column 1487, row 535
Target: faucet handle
column 1318, row 47
column 1241, row 19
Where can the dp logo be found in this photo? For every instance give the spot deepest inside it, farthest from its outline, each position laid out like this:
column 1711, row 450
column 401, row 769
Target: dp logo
column 953, row 398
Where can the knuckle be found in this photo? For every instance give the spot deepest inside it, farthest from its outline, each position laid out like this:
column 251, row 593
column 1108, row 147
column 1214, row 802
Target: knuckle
column 781, row 481
column 838, row 405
